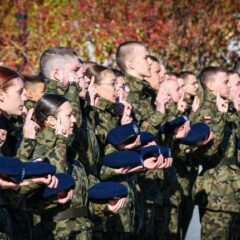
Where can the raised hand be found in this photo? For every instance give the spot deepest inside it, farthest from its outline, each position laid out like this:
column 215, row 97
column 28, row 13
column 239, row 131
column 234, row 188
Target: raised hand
column 182, row 105
column 196, row 103
column 206, row 140
column 127, row 109
column 30, row 128
column 161, row 101
column 60, row 129
column 222, row 104
column 92, row 93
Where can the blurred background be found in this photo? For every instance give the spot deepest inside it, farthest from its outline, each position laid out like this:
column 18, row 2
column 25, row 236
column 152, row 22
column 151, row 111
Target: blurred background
column 185, row 34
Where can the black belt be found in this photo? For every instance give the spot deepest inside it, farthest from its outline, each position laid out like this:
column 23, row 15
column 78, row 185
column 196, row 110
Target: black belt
column 67, row 214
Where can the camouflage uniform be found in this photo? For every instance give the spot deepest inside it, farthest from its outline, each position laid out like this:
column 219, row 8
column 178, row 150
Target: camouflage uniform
column 216, row 190
column 55, row 217
column 70, row 92
column 142, row 98
column 125, row 224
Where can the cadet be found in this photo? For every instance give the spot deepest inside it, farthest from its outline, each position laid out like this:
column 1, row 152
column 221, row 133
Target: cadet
column 35, row 87
column 215, row 157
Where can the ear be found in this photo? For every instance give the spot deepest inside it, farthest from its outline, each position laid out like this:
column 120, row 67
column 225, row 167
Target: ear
column 1, row 95
column 211, row 85
column 29, row 95
column 51, row 121
column 130, row 64
column 57, row 74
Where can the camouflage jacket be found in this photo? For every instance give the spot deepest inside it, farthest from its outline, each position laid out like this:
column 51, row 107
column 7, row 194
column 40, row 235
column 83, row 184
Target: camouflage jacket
column 70, row 92
column 211, row 154
column 86, row 145
column 102, row 118
column 142, row 101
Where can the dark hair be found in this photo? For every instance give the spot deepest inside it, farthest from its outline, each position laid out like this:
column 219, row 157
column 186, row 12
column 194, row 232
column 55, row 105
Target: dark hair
column 53, row 57
column 209, row 72
column 153, row 58
column 47, row 105
column 95, row 71
column 185, row 74
column 6, row 77
column 237, row 65
column 88, row 64
column 123, row 51
column 31, row 80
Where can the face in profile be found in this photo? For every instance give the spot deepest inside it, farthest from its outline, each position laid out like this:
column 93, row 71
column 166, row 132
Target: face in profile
column 221, row 84
column 234, row 84
column 12, row 99
column 65, row 112
column 174, row 91
column 106, row 88
column 191, row 85
column 155, row 70
column 140, row 61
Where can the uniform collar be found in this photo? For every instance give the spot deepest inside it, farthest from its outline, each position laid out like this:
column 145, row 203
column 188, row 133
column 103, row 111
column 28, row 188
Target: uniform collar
column 208, row 96
column 29, row 104
column 47, row 136
column 103, row 104
column 135, row 84
column 55, row 87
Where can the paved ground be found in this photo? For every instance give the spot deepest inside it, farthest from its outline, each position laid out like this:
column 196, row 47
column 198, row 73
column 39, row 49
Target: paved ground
column 193, row 232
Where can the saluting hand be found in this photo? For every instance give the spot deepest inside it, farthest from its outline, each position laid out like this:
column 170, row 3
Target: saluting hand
column 182, row 105
column 196, row 103
column 60, row 129
column 222, row 104
column 92, row 93
column 162, row 100
column 30, row 127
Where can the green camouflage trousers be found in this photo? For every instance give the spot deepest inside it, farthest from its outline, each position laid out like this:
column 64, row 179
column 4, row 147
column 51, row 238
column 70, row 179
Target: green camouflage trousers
column 215, row 225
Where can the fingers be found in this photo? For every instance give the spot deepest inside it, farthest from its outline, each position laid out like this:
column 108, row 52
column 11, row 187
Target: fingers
column 29, row 115
column 91, row 82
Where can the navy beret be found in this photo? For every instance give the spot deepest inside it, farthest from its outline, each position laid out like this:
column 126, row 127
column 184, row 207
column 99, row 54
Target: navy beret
column 198, row 132
column 169, row 127
column 155, row 151
column 12, row 168
column 121, row 134
column 146, row 137
column 38, row 169
column 65, row 182
column 105, row 191
column 122, row 158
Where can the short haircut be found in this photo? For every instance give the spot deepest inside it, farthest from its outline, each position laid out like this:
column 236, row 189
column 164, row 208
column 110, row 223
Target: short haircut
column 153, row 58
column 53, row 58
column 185, row 74
column 30, row 81
column 124, row 52
column 172, row 74
column 231, row 72
column 208, row 73
column 95, row 71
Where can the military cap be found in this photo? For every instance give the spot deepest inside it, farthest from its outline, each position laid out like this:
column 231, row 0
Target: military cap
column 169, row 127
column 121, row 134
column 198, row 132
column 146, row 137
column 33, row 169
column 3, row 122
column 105, row 191
column 65, row 182
column 155, row 151
column 12, row 168
column 122, row 158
